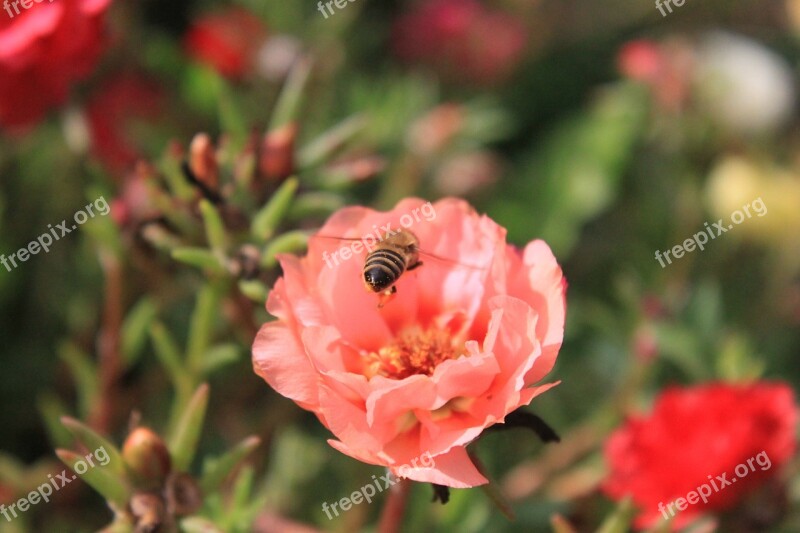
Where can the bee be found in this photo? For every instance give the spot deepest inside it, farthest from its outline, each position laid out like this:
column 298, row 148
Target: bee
column 392, row 256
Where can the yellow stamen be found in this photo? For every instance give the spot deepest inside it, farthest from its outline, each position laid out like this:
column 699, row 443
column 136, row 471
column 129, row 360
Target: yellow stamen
column 413, row 352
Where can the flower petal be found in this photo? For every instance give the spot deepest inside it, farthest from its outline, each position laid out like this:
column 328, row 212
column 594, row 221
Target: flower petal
column 280, row 359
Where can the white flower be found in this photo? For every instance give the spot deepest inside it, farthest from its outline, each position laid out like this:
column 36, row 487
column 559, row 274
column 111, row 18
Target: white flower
column 743, row 85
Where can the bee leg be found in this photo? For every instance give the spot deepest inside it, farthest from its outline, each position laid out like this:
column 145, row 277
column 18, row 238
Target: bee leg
column 415, row 265
column 386, row 296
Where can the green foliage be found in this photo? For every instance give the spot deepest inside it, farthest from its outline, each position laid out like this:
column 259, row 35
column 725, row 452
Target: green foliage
column 141, row 314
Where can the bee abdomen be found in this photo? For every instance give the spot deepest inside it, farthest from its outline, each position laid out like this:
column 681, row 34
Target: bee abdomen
column 382, row 268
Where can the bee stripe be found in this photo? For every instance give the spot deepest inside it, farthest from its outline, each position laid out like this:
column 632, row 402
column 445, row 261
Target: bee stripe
column 390, row 262
column 385, row 269
column 388, row 258
column 385, row 264
column 395, row 256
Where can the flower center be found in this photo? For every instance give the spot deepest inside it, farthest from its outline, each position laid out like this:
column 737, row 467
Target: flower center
column 413, row 352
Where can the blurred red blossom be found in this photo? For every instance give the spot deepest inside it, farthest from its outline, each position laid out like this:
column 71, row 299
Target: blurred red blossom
column 277, row 156
column 43, row 51
column 461, row 39
column 697, row 433
column 453, row 353
column 227, row 40
column 641, row 60
column 135, row 202
column 666, row 68
column 115, row 106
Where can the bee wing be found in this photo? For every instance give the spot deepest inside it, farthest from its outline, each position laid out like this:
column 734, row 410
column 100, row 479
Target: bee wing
column 332, row 238
column 452, row 262
column 422, row 253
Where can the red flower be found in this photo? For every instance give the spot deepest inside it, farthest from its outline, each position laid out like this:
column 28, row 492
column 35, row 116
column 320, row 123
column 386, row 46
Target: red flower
column 693, row 437
column 112, row 111
column 227, row 41
column 43, row 50
column 641, row 60
column 461, row 39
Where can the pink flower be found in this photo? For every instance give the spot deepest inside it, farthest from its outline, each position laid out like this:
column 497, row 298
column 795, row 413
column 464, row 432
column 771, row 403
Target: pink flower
column 461, row 39
column 453, row 353
column 44, row 49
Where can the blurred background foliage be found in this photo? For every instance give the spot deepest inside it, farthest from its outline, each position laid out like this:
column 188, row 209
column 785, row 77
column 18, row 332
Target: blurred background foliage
column 611, row 132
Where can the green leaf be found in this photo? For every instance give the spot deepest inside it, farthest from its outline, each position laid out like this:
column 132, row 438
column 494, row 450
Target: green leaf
column 738, row 361
column 242, row 489
column 199, row 257
column 677, row 344
column 111, row 487
column 168, row 354
column 269, row 217
column 315, row 204
column 135, row 329
column 196, row 524
column 219, row 356
column 103, row 229
column 560, row 192
column 327, row 144
column 52, row 409
column 201, row 327
column 289, row 242
column 705, row 311
column 254, row 290
column 231, row 117
column 94, row 441
column 84, row 374
column 215, row 228
column 186, row 433
column 216, row 470
column 288, row 105
column 12, row 472
column 179, row 186
column 201, row 87
column 620, row 520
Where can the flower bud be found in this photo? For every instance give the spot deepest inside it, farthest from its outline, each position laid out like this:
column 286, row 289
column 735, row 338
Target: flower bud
column 468, row 173
column 203, row 161
column 146, row 457
column 354, row 169
column 276, row 161
column 436, row 129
